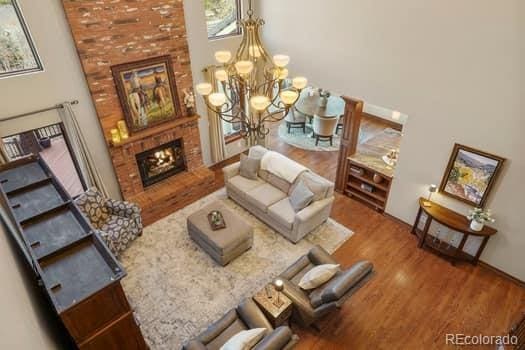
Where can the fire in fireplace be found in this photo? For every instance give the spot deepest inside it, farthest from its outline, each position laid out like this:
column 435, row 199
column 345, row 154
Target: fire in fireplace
column 161, row 162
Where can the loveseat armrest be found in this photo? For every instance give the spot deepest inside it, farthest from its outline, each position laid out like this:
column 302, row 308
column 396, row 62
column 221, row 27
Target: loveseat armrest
column 319, row 256
column 231, row 171
column 215, row 329
column 252, row 316
column 341, row 284
column 310, row 217
column 276, row 340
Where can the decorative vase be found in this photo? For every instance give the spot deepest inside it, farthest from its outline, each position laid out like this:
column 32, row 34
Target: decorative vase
column 377, row 178
column 476, row 225
column 323, row 101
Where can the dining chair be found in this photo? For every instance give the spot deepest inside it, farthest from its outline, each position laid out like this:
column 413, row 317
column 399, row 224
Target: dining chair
column 324, row 129
column 340, row 124
column 295, row 120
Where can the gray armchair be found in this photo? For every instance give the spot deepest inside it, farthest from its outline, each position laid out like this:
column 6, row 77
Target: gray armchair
column 246, row 316
column 117, row 222
column 310, row 306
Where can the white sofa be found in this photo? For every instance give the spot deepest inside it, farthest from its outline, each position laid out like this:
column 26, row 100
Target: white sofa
column 267, row 198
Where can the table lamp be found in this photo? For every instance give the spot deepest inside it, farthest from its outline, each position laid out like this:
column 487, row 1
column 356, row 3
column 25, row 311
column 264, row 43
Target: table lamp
column 279, row 287
column 431, row 189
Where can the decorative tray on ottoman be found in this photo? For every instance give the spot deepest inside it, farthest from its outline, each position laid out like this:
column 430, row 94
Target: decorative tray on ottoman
column 216, row 220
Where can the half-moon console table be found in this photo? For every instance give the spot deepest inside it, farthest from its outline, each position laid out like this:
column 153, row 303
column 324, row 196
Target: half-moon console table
column 455, row 222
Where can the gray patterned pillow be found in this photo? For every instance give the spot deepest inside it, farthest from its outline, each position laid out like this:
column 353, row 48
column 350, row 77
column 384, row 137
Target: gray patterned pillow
column 249, row 167
column 301, row 197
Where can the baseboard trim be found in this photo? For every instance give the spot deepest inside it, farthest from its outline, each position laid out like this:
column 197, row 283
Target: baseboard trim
column 502, row 273
column 480, row 262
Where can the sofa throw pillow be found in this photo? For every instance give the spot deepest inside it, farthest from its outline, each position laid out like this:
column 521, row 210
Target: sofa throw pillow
column 244, row 340
column 301, row 197
column 249, row 167
column 318, row 276
column 316, row 184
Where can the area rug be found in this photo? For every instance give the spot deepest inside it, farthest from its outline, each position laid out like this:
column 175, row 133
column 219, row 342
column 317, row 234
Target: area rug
column 176, row 289
column 297, row 139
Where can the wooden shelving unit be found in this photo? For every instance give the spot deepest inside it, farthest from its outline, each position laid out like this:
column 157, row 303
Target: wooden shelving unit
column 360, row 176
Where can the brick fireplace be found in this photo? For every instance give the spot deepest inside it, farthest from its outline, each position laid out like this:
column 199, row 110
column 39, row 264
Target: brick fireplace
column 108, row 33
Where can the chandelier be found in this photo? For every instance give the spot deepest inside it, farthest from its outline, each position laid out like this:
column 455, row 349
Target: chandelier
column 251, row 88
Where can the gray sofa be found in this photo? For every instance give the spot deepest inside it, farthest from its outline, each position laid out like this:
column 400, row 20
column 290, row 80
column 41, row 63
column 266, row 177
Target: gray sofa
column 267, row 198
column 246, row 316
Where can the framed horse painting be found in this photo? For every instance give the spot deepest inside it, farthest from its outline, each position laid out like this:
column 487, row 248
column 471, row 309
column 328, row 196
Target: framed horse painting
column 147, row 92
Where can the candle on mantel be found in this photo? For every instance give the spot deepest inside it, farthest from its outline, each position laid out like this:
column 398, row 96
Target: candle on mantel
column 123, row 129
column 115, row 136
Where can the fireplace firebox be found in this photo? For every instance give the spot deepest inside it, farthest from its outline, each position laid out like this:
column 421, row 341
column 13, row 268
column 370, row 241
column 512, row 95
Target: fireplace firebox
column 161, row 162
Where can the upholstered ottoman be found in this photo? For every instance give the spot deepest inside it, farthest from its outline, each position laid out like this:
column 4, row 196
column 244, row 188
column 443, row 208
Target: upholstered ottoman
column 225, row 244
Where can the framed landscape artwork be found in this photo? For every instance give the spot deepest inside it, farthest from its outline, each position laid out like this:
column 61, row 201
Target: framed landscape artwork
column 17, row 52
column 147, row 92
column 470, row 175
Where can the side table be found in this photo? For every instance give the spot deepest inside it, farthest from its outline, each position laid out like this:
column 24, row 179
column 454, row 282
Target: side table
column 266, row 299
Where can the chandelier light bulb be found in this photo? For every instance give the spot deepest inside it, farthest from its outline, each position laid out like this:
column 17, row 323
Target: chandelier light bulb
column 255, row 51
column 204, row 89
column 223, row 56
column 289, row 97
column 260, row 103
column 283, row 73
column 221, row 75
column 281, row 61
column 299, row 83
column 244, row 67
column 217, row 99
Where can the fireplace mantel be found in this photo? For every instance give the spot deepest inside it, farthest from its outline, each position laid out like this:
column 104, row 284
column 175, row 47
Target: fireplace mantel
column 153, row 131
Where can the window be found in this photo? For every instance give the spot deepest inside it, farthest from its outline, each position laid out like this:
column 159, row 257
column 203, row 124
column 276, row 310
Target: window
column 50, row 143
column 222, row 17
column 17, row 52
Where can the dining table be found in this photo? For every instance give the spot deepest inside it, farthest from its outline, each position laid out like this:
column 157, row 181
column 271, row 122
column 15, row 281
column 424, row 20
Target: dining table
column 308, row 104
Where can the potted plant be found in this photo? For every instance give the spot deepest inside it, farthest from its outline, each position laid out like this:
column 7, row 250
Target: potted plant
column 478, row 218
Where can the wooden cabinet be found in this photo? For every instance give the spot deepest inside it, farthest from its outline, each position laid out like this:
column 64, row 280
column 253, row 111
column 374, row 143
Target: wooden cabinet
column 367, row 185
column 79, row 274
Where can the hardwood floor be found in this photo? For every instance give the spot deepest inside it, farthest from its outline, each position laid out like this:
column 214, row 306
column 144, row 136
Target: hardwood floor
column 415, row 297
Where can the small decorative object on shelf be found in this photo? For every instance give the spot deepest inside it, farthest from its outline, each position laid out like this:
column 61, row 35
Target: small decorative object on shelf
column 216, row 220
column 123, row 129
column 431, row 189
column 189, row 101
column 478, row 218
column 115, row 136
column 367, row 188
column 377, row 178
column 391, row 157
column 279, row 287
column 358, row 171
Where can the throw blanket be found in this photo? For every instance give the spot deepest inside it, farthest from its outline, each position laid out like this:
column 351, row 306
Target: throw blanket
column 281, row 166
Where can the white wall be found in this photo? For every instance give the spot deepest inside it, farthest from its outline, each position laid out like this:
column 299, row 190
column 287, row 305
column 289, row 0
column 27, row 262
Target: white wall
column 202, row 55
column 23, row 323
column 61, row 80
column 453, row 67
